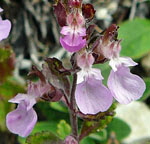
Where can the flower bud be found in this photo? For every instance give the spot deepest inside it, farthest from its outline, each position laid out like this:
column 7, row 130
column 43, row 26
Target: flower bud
column 75, row 3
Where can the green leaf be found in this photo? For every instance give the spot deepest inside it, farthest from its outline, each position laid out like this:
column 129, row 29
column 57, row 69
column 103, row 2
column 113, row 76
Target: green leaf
column 45, row 126
column 120, row 128
column 99, row 136
column 96, row 138
column 49, row 113
column 136, row 37
column 147, row 91
column 43, row 138
column 63, row 129
column 59, row 107
column 87, row 140
column 4, row 54
column 103, row 119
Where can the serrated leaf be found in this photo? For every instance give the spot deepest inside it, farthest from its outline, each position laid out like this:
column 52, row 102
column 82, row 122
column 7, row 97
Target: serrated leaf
column 120, row 128
column 58, row 74
column 136, row 36
column 147, row 91
column 43, row 138
column 94, row 126
column 63, row 129
column 56, row 67
column 100, row 115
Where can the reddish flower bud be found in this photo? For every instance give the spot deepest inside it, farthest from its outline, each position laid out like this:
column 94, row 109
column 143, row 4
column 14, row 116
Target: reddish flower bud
column 75, row 3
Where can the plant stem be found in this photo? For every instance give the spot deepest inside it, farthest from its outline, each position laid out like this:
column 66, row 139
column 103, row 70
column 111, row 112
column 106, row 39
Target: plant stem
column 73, row 116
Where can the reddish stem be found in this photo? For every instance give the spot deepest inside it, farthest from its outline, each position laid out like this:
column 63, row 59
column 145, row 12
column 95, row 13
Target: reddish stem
column 73, row 116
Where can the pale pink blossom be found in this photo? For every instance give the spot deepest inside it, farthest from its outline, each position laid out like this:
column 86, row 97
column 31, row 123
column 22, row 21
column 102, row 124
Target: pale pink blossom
column 22, row 120
column 5, row 26
column 91, row 95
column 124, row 85
column 73, row 34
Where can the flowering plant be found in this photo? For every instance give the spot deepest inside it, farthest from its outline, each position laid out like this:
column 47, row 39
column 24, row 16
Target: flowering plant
column 85, row 96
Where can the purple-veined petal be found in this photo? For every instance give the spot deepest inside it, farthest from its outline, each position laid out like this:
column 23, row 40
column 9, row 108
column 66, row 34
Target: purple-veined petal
column 18, row 98
column 66, row 30
column 89, row 73
column 81, row 76
column 96, row 74
column 125, row 86
column 30, row 102
column 36, row 90
column 28, row 99
column 85, row 60
column 72, row 44
column 81, row 31
column 21, row 121
column 73, row 40
column 127, row 61
column 115, row 63
column 5, row 27
column 92, row 96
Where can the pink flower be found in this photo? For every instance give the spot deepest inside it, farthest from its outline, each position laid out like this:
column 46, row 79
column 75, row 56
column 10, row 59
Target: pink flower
column 124, row 85
column 91, row 95
column 5, row 27
column 21, row 121
column 72, row 39
column 24, row 116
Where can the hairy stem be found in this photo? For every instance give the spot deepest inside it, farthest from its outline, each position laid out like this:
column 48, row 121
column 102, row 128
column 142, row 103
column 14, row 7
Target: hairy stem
column 73, row 116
